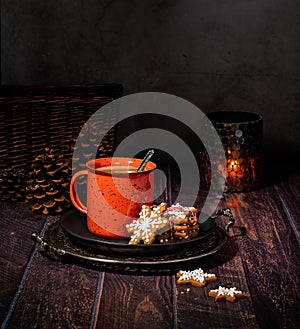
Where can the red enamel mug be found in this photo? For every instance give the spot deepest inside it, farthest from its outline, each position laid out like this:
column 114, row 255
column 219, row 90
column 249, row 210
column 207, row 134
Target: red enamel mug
column 115, row 194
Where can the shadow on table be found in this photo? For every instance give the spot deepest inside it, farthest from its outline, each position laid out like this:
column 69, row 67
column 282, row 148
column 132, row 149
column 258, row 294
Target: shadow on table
column 279, row 163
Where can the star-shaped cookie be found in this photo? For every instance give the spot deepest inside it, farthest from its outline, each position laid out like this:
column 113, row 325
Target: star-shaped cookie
column 229, row 294
column 196, row 277
column 146, row 227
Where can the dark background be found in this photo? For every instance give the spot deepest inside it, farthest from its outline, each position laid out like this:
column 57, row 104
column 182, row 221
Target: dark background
column 217, row 54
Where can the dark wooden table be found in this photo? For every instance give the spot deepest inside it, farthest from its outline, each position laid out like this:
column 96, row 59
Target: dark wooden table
column 261, row 258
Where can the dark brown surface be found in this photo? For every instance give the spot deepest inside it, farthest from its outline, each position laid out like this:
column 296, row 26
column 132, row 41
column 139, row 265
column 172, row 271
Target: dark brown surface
column 16, row 222
column 40, row 290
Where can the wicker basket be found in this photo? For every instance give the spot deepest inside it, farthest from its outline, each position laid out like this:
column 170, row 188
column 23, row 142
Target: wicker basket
column 33, row 118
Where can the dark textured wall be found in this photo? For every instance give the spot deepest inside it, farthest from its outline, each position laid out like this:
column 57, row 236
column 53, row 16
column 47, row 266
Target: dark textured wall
column 218, row 54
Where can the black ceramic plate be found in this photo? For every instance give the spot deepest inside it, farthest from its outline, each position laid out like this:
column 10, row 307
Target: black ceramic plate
column 74, row 224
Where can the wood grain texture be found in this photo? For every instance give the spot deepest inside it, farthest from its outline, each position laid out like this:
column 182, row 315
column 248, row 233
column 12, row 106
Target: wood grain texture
column 197, row 310
column 55, row 295
column 263, row 263
column 288, row 192
column 17, row 222
column 270, row 254
column 136, row 302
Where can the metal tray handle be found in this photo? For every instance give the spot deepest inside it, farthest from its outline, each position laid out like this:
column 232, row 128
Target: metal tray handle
column 225, row 212
column 41, row 241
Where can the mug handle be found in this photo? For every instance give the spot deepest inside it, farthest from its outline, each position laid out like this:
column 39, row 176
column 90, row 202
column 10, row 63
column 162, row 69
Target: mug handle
column 73, row 194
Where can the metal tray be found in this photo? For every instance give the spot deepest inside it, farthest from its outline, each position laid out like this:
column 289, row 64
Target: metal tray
column 74, row 224
column 56, row 240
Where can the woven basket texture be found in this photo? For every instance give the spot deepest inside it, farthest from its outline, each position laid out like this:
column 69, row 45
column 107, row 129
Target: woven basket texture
column 33, row 118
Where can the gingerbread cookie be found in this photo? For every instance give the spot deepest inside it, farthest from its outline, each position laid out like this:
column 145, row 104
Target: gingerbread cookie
column 229, row 294
column 196, row 277
column 164, row 224
column 146, row 227
column 179, row 214
column 183, row 224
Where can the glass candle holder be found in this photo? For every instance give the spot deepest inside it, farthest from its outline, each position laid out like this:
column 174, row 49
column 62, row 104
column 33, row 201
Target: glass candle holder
column 241, row 135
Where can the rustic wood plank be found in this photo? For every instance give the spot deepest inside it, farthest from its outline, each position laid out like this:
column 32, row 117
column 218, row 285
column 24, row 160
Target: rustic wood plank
column 289, row 195
column 17, row 222
column 136, row 302
column 55, row 295
column 196, row 309
column 270, row 254
column 264, row 263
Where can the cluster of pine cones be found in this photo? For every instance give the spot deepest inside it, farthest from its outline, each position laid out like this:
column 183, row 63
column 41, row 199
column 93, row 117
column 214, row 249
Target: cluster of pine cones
column 12, row 185
column 45, row 184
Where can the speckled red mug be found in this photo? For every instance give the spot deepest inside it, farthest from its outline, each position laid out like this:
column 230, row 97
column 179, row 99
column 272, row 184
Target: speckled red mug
column 115, row 194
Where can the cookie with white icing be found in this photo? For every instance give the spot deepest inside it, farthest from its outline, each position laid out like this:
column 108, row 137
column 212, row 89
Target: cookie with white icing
column 164, row 224
column 196, row 277
column 146, row 227
column 229, row 294
column 183, row 224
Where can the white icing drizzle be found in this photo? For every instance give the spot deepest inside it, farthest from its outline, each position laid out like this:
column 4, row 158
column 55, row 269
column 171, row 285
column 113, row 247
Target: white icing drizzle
column 184, row 275
column 197, row 275
column 179, row 211
column 223, row 291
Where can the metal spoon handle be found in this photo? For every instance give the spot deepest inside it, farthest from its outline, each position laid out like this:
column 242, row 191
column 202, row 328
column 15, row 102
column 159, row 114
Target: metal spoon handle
column 145, row 160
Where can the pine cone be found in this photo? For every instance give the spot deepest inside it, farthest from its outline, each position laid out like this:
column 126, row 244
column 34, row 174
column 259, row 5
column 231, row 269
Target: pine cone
column 12, row 186
column 88, row 142
column 48, row 183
